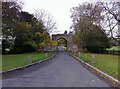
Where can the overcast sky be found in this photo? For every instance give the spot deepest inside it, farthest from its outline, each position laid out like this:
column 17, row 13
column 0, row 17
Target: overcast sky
column 58, row 9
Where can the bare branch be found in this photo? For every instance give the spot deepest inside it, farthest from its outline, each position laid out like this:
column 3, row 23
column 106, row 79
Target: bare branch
column 46, row 19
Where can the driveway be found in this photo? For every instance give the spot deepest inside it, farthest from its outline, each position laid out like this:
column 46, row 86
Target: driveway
column 60, row 71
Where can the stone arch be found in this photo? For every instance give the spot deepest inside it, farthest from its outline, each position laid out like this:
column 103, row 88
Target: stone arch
column 63, row 39
column 68, row 38
column 63, row 45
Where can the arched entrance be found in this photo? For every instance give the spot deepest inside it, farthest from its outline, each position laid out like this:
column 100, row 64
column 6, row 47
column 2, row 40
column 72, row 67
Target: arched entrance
column 61, row 44
column 70, row 46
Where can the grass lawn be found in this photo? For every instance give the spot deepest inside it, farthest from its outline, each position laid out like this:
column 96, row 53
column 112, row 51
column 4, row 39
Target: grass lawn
column 114, row 48
column 17, row 60
column 104, row 62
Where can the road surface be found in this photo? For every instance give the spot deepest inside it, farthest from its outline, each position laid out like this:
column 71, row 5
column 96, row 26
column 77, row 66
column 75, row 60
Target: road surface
column 60, row 71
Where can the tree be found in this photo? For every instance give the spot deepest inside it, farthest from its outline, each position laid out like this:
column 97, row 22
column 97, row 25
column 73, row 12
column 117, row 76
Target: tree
column 54, row 43
column 10, row 18
column 29, row 18
column 23, row 36
column 38, row 39
column 65, row 32
column 46, row 44
column 22, row 31
column 86, row 24
column 47, row 20
column 111, row 19
column 95, row 42
column 19, row 28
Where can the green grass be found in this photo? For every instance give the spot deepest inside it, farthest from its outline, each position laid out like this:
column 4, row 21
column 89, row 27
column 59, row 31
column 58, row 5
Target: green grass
column 114, row 48
column 17, row 60
column 104, row 62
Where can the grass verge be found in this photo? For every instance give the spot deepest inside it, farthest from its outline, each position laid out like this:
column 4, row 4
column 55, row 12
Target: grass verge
column 104, row 62
column 18, row 60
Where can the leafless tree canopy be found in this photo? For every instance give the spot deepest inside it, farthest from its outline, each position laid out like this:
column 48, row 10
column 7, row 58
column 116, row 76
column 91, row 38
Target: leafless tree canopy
column 47, row 20
column 103, row 14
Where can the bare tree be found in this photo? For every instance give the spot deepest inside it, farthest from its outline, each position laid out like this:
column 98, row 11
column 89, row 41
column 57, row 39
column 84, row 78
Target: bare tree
column 85, row 18
column 113, row 9
column 111, row 19
column 47, row 20
column 103, row 14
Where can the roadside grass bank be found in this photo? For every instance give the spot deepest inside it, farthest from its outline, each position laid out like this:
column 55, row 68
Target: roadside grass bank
column 18, row 60
column 104, row 62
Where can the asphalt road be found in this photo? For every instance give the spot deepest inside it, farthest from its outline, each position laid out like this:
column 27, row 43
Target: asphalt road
column 60, row 71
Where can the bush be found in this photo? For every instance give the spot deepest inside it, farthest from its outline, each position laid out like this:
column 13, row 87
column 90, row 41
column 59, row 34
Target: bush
column 18, row 49
column 96, row 49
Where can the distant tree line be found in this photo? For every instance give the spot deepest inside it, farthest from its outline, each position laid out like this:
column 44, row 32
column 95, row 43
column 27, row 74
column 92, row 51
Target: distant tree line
column 23, row 32
column 95, row 25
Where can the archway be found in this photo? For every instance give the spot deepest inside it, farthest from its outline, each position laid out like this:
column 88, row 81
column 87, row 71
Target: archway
column 61, row 44
column 70, row 46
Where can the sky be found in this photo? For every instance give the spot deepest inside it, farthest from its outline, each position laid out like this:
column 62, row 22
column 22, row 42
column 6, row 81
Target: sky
column 58, row 9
